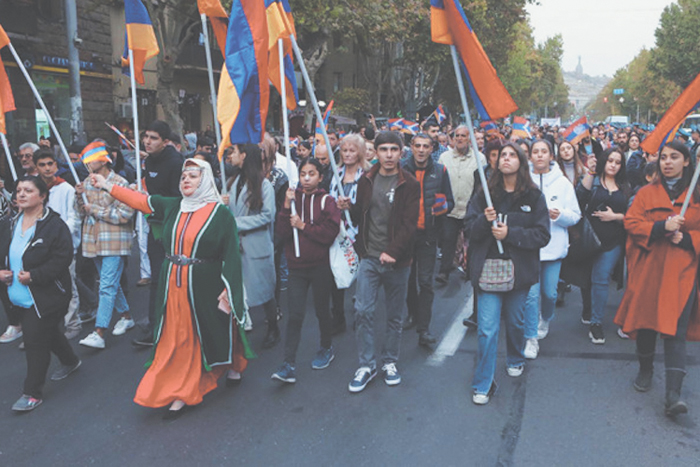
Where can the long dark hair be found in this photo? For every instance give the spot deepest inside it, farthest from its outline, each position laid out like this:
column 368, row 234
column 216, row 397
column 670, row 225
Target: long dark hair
column 523, row 182
column 252, row 174
column 578, row 165
column 620, row 176
column 687, row 175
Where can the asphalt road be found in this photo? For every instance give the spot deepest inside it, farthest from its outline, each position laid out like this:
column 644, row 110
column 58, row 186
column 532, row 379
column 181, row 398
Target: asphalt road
column 574, row 405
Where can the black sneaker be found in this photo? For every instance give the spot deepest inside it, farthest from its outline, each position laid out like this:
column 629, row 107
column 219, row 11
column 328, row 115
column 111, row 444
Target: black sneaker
column 145, row 341
column 426, row 339
column 596, row 334
column 362, row 376
column 64, row 371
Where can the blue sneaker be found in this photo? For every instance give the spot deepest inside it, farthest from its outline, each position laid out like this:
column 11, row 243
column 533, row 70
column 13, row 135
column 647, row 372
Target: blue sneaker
column 324, row 357
column 391, row 374
column 286, row 374
column 362, row 376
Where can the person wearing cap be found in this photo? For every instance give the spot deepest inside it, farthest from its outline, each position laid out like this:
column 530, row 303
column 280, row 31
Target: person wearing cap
column 106, row 238
column 695, row 137
column 386, row 213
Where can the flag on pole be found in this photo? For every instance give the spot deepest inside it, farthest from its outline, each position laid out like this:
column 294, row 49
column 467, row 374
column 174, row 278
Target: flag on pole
column 667, row 127
column 439, row 114
column 521, row 127
column 403, row 125
column 243, row 101
column 95, row 151
column 281, row 26
column 318, row 134
column 449, row 25
column 577, row 131
column 7, row 101
column 489, row 127
column 139, row 37
column 218, row 19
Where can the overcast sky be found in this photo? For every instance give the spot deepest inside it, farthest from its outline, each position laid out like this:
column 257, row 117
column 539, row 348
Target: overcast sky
column 607, row 34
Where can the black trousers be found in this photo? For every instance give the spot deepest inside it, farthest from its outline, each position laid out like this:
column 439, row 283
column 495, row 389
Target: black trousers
column 450, row 232
column 338, row 300
column 674, row 346
column 319, row 278
column 420, row 295
column 42, row 336
column 156, row 256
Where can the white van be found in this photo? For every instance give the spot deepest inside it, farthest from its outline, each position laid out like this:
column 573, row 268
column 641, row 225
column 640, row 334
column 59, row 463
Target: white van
column 618, row 120
column 692, row 120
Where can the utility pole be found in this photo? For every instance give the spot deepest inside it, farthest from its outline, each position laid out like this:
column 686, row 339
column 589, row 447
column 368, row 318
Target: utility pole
column 76, row 99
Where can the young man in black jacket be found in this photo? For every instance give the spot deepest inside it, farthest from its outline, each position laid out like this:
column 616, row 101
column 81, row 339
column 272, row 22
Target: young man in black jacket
column 435, row 201
column 163, row 168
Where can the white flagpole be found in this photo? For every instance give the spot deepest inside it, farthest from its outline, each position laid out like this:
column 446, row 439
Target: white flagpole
column 52, row 125
column 8, row 155
column 212, row 91
column 137, row 141
column 319, row 116
column 475, row 147
column 285, row 125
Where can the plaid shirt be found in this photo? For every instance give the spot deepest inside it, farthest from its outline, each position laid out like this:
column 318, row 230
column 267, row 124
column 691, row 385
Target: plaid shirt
column 108, row 230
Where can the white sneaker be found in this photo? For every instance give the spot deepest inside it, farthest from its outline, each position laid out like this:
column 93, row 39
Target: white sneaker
column 532, row 348
column 12, row 334
column 515, row 371
column 248, row 324
column 621, row 334
column 542, row 329
column 480, row 399
column 93, row 340
column 123, row 325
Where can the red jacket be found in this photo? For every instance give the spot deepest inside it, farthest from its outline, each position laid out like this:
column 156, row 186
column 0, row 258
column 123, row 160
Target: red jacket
column 661, row 274
column 403, row 219
column 322, row 218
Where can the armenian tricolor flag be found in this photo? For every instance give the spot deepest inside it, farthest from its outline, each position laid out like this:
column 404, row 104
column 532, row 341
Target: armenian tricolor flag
column 7, row 101
column 318, row 134
column 439, row 114
column 140, row 38
column 489, row 127
column 521, row 127
column 95, row 151
column 243, row 101
column 449, row 25
column 666, row 130
column 218, row 19
column 281, row 26
column 577, row 131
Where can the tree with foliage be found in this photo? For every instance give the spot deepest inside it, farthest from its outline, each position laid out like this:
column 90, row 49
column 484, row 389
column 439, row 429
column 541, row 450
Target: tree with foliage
column 676, row 55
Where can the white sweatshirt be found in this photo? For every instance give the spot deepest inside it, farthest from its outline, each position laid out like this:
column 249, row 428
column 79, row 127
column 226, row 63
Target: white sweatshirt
column 560, row 194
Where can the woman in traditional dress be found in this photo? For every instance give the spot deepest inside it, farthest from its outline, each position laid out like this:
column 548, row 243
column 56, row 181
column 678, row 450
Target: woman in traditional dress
column 662, row 257
column 198, row 329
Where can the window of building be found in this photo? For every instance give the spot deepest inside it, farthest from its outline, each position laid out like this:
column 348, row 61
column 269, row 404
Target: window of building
column 337, row 82
column 50, row 10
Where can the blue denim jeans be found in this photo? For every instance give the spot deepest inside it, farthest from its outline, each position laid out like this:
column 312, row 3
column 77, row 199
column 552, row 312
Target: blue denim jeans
column 601, row 275
column 371, row 275
column 491, row 306
column 111, row 293
column 542, row 295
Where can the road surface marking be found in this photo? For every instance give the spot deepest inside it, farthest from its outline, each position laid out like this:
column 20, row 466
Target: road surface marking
column 453, row 337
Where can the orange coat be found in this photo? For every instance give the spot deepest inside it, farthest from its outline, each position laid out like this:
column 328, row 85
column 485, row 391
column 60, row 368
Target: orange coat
column 661, row 274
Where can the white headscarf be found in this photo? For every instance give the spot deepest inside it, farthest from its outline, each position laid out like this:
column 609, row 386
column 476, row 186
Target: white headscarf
column 205, row 193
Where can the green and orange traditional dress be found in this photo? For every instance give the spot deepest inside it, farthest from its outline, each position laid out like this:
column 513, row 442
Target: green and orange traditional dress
column 195, row 341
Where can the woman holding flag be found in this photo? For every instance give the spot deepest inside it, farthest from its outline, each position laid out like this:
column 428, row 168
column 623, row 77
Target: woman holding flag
column 662, row 254
column 200, row 309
